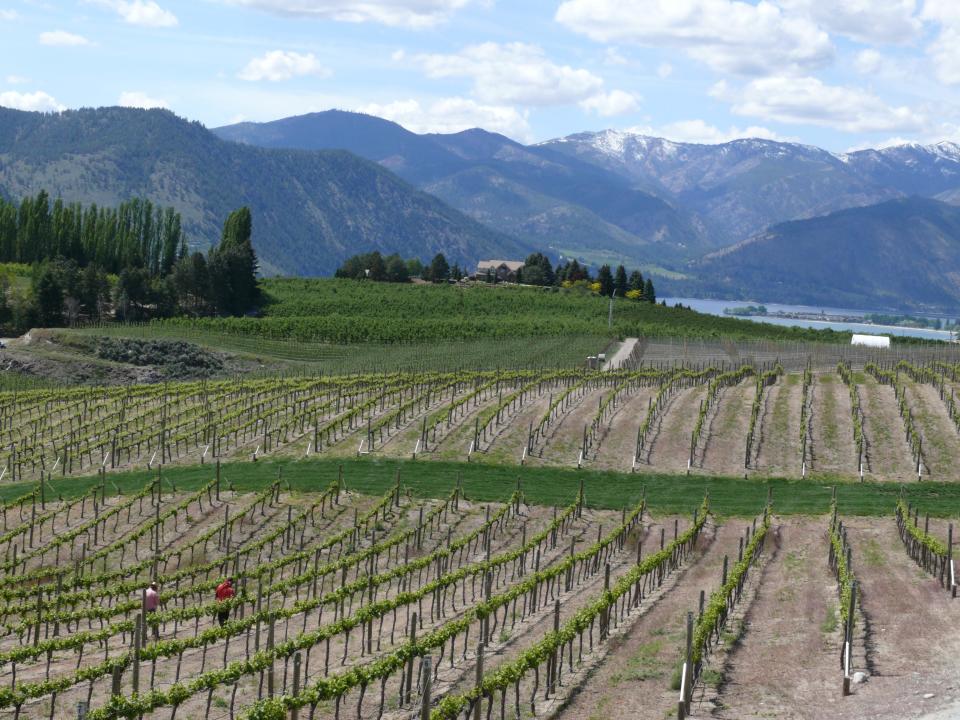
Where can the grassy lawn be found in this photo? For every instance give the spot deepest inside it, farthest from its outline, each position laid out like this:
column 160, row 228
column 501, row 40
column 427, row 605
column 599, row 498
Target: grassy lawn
column 543, row 486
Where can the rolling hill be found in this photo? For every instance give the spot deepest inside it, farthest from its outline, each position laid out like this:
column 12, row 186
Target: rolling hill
column 311, row 209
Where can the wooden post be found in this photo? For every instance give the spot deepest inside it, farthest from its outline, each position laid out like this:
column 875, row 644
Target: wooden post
column 479, row 681
column 270, row 674
column 953, row 587
column 413, row 641
column 686, row 678
column 295, row 711
column 556, row 629
column 848, row 640
column 427, row 687
column 137, row 634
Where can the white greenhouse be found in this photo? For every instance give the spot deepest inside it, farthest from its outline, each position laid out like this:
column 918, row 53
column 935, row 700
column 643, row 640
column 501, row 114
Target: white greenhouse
column 876, row 341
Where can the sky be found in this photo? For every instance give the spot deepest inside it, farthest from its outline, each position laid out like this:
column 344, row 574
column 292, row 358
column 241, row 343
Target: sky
column 840, row 74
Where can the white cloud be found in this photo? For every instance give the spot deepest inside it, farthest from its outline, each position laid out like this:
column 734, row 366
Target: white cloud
column 9, row 15
column 279, row 65
column 17, row 80
column 146, row 13
column 868, row 21
column 36, row 101
column 729, row 35
column 699, row 131
column 807, row 100
column 664, row 70
column 452, row 115
column 944, row 51
column 613, row 56
column 868, row 62
column 514, row 73
column 608, row 104
column 408, row 13
column 137, row 99
column 62, row 38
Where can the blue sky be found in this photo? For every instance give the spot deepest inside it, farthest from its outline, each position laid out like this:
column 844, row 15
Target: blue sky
column 841, row 75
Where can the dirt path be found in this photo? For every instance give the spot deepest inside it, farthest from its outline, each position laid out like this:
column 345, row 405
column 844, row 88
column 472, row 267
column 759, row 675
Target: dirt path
column 671, row 446
column 633, row 680
column 623, row 352
column 726, row 440
column 913, row 646
column 941, row 442
column 785, row 664
column 619, row 439
column 832, row 447
column 779, row 428
column 890, row 456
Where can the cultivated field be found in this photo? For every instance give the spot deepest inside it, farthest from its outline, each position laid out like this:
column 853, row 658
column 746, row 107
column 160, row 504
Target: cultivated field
column 890, row 422
column 352, row 605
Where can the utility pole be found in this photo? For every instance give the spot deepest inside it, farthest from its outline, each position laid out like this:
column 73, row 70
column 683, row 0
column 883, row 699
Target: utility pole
column 610, row 314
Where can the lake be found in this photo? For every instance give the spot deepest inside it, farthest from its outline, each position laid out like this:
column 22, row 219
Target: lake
column 716, row 307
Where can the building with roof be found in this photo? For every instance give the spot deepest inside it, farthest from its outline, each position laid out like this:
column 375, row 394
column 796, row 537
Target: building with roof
column 500, row 270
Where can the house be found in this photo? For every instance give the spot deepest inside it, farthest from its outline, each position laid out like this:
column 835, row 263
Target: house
column 876, row 341
column 500, row 270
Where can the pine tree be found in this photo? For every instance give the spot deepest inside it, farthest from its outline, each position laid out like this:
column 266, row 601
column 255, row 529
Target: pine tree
column 620, row 281
column 605, row 278
column 439, row 269
column 649, row 294
column 636, row 281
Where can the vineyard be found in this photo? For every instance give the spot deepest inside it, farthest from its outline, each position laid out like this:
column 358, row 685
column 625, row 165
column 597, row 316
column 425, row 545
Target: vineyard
column 885, row 422
column 397, row 605
column 553, row 542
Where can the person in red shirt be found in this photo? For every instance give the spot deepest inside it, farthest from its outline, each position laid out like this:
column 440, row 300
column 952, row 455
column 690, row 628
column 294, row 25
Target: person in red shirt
column 225, row 592
column 151, row 601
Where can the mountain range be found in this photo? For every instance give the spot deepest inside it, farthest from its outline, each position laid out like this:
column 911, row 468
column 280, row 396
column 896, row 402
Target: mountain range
column 775, row 211
column 311, row 209
column 753, row 219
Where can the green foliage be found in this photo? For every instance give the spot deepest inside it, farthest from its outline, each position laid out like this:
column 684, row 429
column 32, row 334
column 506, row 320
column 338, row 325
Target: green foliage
column 937, row 547
column 512, row 672
column 373, row 266
column 134, row 234
column 856, row 413
column 715, row 611
column 345, row 311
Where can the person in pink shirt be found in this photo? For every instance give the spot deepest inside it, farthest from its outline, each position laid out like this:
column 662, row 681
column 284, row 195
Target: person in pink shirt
column 151, row 601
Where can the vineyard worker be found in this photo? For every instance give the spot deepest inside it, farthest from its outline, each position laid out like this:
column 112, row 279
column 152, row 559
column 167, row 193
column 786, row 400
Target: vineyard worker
column 225, row 593
column 151, row 601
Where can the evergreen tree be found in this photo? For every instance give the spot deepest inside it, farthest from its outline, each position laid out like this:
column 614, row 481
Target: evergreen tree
column 636, row 281
column 233, row 266
column 439, row 269
column 620, row 281
column 537, row 270
column 649, row 294
column 397, row 269
column 49, row 298
column 605, row 278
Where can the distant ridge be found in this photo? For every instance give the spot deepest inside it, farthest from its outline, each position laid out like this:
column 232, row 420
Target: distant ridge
column 311, row 209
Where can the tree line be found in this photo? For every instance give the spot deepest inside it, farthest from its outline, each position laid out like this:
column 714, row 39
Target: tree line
column 126, row 263
column 537, row 270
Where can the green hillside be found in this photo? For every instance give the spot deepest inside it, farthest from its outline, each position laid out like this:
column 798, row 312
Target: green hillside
column 311, row 209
